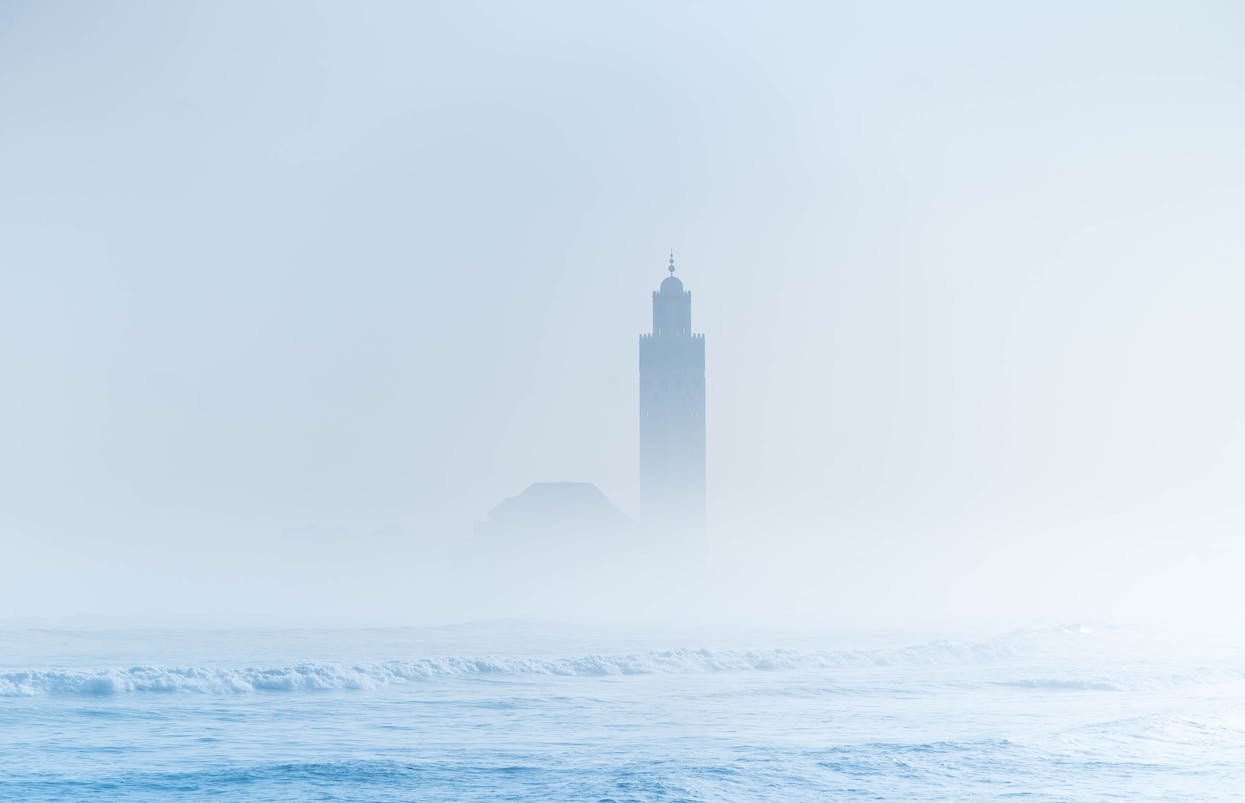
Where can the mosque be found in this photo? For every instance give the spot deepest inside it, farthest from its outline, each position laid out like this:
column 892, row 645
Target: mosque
column 672, row 446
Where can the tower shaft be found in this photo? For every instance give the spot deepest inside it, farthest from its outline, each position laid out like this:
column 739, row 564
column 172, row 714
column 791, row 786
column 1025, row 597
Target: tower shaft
column 672, row 413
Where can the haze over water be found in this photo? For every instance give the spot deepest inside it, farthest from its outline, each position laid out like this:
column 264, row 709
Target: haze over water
column 292, row 295
column 312, row 285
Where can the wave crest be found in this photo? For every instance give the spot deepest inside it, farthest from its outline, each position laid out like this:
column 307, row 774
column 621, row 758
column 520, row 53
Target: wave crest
column 317, row 676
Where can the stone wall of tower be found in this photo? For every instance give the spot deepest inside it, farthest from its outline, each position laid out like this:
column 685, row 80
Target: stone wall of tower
column 672, row 313
column 672, row 416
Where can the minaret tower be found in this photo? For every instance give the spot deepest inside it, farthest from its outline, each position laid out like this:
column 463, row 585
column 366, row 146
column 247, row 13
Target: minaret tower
column 672, row 413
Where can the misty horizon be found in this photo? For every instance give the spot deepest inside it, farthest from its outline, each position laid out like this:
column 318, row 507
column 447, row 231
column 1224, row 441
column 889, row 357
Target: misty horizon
column 970, row 284
column 641, row 401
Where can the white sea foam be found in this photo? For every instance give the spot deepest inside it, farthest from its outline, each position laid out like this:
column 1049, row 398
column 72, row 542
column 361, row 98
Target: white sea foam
column 316, row 676
column 520, row 712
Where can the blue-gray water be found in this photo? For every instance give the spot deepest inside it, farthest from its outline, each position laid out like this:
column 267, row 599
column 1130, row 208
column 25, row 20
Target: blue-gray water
column 528, row 711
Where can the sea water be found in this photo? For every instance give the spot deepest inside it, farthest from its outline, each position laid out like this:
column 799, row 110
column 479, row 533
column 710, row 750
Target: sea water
column 529, row 711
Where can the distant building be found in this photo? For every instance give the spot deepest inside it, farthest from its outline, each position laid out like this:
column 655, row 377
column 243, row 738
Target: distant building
column 551, row 528
column 550, row 510
column 672, row 412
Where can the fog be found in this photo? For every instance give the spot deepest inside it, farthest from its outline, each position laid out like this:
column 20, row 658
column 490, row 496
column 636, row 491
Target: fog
column 292, row 295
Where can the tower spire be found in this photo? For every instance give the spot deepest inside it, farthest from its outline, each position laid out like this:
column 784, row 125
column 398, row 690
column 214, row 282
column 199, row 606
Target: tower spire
column 671, row 268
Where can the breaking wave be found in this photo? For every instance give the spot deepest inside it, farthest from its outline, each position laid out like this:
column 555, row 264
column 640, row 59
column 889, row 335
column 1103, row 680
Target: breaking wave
column 316, row 676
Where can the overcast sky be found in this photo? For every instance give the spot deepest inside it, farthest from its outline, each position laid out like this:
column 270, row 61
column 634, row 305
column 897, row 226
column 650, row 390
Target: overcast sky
column 294, row 279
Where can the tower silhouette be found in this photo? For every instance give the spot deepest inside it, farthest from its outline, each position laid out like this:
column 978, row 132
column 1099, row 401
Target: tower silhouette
column 672, row 412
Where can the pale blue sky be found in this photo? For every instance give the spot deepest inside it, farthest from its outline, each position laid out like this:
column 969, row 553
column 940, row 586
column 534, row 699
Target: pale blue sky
column 970, row 276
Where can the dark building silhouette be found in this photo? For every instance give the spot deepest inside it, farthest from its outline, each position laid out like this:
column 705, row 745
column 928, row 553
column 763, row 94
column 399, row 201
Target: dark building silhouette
column 549, row 511
column 672, row 412
column 556, row 544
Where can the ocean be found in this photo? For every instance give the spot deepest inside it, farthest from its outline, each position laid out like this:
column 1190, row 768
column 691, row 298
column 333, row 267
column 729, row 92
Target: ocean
column 535, row 711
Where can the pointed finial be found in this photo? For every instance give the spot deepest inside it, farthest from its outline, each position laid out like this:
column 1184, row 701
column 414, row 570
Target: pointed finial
column 671, row 268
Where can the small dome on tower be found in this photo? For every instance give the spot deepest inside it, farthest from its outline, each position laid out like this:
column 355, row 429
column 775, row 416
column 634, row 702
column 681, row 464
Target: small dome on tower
column 671, row 283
